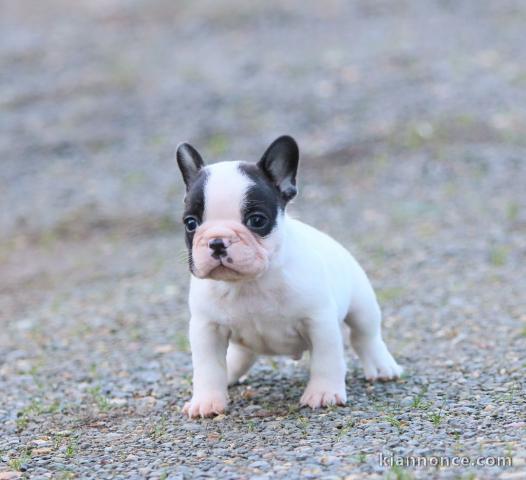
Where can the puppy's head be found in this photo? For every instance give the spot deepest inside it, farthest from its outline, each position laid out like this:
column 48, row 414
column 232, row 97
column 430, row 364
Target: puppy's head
column 233, row 210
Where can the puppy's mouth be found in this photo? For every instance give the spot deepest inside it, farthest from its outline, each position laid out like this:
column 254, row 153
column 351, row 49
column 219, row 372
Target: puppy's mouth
column 225, row 270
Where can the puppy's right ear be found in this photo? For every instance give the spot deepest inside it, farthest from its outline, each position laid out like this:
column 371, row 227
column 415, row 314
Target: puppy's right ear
column 189, row 161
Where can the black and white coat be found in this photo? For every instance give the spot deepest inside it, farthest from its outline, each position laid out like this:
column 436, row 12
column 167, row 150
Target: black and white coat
column 264, row 283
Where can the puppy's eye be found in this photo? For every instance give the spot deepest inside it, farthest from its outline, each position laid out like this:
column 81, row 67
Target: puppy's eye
column 256, row 221
column 191, row 224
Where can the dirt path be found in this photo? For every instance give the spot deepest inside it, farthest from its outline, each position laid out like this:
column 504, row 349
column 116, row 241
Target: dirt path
column 412, row 124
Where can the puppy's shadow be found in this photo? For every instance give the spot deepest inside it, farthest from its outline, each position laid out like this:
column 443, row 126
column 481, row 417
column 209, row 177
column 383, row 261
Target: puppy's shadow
column 269, row 388
column 266, row 392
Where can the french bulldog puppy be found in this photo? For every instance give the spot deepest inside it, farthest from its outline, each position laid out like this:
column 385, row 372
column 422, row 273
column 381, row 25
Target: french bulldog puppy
column 264, row 283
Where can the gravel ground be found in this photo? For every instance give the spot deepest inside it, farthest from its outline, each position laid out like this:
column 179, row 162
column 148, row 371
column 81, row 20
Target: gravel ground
column 412, row 121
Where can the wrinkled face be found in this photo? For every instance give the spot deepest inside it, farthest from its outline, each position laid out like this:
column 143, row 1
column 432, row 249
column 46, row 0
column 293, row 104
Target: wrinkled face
column 233, row 212
column 231, row 217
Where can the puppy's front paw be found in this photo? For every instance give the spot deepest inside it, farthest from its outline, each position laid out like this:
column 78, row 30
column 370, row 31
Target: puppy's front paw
column 383, row 371
column 321, row 394
column 207, row 405
column 379, row 364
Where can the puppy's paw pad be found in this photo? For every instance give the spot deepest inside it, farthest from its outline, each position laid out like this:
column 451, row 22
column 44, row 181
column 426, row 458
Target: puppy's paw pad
column 205, row 406
column 323, row 397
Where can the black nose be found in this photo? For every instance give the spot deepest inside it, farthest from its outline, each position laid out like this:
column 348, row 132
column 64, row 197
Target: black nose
column 218, row 247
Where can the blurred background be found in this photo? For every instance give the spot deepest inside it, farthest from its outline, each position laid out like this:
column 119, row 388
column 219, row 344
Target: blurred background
column 95, row 95
column 411, row 122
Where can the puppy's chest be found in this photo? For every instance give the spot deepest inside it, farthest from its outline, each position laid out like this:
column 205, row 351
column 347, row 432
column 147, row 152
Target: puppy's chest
column 264, row 320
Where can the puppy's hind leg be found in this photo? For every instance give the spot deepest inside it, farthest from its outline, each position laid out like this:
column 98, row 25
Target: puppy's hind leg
column 365, row 320
column 238, row 361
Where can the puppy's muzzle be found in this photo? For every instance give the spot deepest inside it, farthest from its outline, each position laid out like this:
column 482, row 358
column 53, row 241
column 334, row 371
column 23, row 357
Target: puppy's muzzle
column 218, row 247
column 227, row 250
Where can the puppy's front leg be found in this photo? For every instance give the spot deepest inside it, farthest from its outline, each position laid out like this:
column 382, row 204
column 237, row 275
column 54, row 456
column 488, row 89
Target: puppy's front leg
column 209, row 343
column 327, row 362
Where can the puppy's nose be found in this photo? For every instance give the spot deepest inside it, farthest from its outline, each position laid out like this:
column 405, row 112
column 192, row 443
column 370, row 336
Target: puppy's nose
column 218, row 247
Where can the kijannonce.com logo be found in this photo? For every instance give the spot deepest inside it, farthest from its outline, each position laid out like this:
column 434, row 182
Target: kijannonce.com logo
column 443, row 461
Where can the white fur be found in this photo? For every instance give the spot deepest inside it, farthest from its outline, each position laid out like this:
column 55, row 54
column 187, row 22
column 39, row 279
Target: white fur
column 312, row 291
column 224, row 191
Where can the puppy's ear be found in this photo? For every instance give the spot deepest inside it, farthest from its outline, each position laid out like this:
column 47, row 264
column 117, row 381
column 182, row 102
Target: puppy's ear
column 280, row 164
column 189, row 161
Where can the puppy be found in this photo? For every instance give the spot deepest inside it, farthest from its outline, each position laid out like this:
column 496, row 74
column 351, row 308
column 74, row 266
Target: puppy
column 264, row 283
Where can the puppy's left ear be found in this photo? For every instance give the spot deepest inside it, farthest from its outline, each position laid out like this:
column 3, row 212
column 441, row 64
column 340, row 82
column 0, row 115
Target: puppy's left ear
column 189, row 161
column 280, row 164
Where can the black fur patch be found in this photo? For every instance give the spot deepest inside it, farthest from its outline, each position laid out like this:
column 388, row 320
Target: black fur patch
column 262, row 197
column 194, row 205
column 280, row 164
